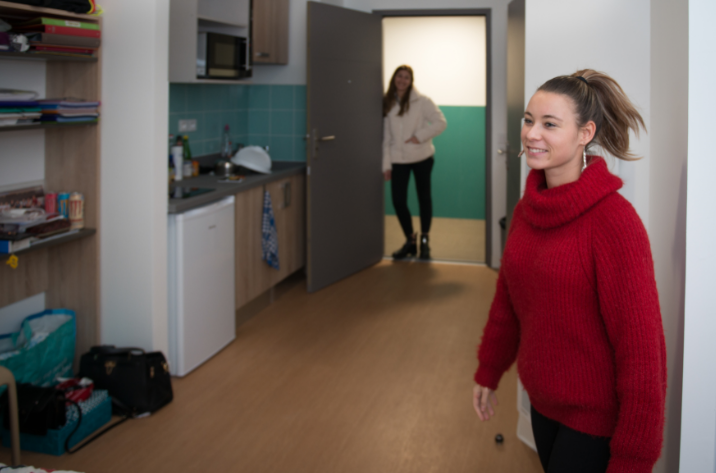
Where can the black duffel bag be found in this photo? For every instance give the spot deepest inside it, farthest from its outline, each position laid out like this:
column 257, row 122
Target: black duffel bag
column 139, row 381
column 39, row 409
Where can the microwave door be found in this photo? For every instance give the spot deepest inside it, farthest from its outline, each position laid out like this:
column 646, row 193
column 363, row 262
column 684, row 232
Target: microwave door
column 222, row 60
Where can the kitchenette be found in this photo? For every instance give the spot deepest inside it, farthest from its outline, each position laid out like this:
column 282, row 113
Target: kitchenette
column 236, row 226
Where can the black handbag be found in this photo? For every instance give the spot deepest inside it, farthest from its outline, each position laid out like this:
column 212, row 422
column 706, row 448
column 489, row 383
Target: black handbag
column 139, row 381
column 39, row 409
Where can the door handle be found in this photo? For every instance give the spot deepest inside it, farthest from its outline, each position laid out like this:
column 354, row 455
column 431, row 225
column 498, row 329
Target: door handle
column 286, row 194
column 327, row 138
column 263, row 54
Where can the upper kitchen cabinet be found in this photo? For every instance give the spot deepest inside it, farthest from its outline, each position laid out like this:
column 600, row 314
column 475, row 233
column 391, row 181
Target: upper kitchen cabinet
column 270, row 32
column 209, row 41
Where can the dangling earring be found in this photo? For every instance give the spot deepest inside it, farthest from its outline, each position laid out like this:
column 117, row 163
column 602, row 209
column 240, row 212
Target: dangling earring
column 584, row 159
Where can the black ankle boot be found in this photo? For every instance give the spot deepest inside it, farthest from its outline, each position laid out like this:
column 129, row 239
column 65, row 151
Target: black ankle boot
column 424, row 247
column 408, row 249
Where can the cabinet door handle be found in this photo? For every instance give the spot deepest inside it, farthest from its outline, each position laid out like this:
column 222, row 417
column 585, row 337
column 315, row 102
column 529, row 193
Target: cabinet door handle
column 287, row 194
column 327, row 138
column 263, row 54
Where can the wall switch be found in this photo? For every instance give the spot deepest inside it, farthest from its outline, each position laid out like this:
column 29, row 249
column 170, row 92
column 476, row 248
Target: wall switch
column 187, row 125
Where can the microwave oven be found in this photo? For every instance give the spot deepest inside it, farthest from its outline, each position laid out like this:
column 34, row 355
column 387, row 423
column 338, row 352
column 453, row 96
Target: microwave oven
column 221, row 56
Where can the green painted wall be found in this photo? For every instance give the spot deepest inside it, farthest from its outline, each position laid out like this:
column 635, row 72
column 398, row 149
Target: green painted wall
column 458, row 179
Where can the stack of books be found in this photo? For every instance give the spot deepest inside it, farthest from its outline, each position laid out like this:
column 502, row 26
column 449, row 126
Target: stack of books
column 18, row 107
column 60, row 37
column 68, row 111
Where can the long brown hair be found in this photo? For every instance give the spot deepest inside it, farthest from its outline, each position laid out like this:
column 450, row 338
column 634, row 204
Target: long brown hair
column 599, row 98
column 389, row 98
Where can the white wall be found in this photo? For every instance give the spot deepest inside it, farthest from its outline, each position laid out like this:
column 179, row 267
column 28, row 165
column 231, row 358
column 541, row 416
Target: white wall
column 698, row 427
column 667, row 194
column 134, row 174
column 612, row 36
column 449, row 64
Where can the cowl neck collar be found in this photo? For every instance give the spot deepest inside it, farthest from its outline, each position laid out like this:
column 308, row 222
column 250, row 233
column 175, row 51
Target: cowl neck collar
column 549, row 208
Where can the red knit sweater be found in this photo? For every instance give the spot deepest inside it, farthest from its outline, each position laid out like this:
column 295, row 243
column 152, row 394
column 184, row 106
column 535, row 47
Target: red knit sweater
column 577, row 306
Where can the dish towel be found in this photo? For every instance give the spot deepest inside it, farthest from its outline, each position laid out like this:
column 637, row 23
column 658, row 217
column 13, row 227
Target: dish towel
column 269, row 237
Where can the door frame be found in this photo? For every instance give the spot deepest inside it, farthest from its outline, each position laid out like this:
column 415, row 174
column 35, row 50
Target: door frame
column 487, row 13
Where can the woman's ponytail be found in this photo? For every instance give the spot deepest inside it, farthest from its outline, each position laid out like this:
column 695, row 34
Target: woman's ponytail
column 599, row 98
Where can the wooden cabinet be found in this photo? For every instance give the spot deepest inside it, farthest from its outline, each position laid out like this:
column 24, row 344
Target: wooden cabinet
column 289, row 209
column 253, row 275
column 67, row 272
column 270, row 31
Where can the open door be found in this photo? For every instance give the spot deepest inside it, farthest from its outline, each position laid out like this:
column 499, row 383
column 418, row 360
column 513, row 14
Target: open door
column 345, row 182
column 515, row 100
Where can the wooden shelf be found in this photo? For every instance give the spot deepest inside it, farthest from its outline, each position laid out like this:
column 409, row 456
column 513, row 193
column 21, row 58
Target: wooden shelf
column 43, row 126
column 58, row 240
column 43, row 57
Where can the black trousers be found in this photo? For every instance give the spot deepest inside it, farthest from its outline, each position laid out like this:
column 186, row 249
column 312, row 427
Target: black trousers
column 564, row 450
column 399, row 191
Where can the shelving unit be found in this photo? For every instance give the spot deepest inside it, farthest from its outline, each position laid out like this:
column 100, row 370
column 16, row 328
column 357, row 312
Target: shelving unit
column 41, row 126
column 43, row 57
column 66, row 268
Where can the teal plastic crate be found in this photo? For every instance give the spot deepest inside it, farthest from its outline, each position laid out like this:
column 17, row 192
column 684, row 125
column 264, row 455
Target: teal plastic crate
column 96, row 412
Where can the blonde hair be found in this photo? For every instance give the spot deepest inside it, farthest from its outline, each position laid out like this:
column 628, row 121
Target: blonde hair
column 599, row 98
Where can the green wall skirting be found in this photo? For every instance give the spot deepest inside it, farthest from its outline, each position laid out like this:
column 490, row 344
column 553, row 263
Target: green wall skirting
column 458, row 178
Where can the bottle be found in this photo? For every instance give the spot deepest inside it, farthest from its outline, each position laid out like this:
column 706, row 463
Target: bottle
column 188, row 169
column 226, row 144
column 187, row 149
column 172, row 171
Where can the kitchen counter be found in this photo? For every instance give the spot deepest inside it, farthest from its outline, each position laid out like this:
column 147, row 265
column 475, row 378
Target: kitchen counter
column 279, row 170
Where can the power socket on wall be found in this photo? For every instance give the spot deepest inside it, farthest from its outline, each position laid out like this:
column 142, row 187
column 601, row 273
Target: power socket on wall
column 187, row 126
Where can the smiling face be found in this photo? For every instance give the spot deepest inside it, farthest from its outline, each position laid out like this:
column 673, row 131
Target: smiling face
column 403, row 79
column 552, row 138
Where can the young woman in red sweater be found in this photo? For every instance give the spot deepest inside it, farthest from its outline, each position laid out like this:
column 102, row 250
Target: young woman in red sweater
column 576, row 302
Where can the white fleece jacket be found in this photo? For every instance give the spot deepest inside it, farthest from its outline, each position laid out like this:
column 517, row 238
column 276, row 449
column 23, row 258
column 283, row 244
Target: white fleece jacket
column 424, row 120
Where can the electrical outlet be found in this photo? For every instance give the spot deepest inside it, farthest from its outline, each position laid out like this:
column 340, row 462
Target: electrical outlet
column 187, row 126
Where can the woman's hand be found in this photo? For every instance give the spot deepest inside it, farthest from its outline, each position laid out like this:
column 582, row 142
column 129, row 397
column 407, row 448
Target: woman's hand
column 484, row 402
column 413, row 140
column 387, row 174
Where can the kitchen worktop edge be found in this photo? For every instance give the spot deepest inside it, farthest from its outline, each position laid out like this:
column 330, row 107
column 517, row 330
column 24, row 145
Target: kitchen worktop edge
column 285, row 169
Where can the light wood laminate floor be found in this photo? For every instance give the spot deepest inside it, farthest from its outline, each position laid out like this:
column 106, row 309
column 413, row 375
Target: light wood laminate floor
column 370, row 375
column 451, row 239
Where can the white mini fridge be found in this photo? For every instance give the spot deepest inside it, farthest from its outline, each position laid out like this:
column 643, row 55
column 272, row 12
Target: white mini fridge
column 202, row 306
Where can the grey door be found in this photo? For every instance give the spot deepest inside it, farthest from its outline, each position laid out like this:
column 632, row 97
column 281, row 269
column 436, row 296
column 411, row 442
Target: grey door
column 345, row 187
column 515, row 99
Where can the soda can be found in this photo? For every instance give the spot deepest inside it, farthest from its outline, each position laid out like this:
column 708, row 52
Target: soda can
column 51, row 203
column 63, row 204
column 77, row 203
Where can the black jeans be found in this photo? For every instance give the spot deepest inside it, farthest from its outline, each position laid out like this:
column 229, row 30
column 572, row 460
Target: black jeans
column 564, row 450
column 399, row 190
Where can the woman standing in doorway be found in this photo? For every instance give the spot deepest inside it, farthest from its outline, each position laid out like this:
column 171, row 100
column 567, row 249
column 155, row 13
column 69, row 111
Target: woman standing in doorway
column 576, row 302
column 410, row 122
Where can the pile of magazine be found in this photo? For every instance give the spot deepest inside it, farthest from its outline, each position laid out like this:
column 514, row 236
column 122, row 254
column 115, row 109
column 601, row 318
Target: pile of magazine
column 23, row 220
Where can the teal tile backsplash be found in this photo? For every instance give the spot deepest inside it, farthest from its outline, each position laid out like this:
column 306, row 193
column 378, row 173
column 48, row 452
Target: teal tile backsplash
column 261, row 115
